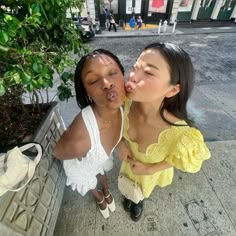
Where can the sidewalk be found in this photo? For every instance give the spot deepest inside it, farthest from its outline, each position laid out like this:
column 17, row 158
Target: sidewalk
column 154, row 32
column 201, row 204
column 195, row 204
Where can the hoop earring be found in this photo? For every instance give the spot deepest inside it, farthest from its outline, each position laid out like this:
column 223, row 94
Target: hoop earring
column 90, row 99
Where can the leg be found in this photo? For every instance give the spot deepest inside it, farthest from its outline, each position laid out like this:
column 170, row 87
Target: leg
column 103, row 180
column 109, row 27
column 107, row 24
column 102, row 204
column 99, row 197
column 107, row 194
column 114, row 26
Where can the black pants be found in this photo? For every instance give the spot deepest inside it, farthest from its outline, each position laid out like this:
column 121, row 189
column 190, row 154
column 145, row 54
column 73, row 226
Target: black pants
column 114, row 26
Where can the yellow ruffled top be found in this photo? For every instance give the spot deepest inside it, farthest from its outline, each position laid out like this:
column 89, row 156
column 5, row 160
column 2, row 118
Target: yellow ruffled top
column 181, row 146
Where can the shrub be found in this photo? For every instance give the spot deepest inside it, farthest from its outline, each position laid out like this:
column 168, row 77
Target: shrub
column 37, row 44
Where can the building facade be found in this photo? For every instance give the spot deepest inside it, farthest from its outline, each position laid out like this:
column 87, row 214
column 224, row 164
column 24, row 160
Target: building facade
column 152, row 11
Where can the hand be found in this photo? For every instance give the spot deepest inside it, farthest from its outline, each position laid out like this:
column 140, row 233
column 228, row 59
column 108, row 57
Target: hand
column 139, row 168
column 123, row 151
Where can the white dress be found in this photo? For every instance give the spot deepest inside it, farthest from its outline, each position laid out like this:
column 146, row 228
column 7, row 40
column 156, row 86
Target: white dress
column 81, row 173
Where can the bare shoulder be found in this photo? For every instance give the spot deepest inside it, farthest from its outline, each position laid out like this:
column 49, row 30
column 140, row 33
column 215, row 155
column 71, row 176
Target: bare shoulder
column 74, row 142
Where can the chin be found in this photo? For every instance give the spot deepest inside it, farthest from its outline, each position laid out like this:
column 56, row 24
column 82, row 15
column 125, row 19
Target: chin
column 116, row 104
column 130, row 96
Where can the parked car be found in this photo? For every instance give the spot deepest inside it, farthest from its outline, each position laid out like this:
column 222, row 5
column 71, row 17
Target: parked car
column 85, row 29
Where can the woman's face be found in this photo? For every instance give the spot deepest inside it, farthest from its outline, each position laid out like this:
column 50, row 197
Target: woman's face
column 103, row 81
column 149, row 79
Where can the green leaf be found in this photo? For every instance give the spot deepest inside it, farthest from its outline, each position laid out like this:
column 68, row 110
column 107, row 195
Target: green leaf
column 2, row 90
column 16, row 78
column 26, row 78
column 3, row 48
column 3, row 36
column 64, row 93
column 36, row 67
column 41, row 82
column 23, row 33
column 7, row 17
column 35, row 8
column 30, row 88
column 34, row 83
column 65, row 76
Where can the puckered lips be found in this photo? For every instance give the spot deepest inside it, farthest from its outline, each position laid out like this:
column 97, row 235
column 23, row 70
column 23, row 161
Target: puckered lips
column 112, row 96
column 129, row 86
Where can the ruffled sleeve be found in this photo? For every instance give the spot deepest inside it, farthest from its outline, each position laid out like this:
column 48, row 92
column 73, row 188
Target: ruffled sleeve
column 189, row 151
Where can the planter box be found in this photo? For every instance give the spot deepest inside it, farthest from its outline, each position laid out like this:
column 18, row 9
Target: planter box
column 34, row 209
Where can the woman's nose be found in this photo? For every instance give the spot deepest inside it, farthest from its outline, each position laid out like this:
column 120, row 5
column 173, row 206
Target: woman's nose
column 107, row 84
column 133, row 77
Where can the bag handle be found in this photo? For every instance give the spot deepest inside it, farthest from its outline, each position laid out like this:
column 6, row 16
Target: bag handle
column 32, row 164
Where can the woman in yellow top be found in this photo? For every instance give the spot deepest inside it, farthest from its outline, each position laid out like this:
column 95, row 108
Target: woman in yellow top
column 157, row 132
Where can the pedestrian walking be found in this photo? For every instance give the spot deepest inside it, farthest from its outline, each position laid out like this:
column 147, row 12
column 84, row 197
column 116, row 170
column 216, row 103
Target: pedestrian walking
column 112, row 21
column 157, row 130
column 87, row 145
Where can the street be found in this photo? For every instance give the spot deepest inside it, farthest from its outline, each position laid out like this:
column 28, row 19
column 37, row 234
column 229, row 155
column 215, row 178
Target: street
column 214, row 60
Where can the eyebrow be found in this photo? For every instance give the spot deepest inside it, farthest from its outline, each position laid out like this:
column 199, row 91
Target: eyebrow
column 153, row 66
column 88, row 72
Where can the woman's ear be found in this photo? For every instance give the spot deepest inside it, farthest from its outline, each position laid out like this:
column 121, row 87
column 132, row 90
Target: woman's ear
column 174, row 90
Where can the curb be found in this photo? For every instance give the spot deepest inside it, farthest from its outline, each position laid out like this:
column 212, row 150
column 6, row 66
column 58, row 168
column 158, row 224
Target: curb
column 148, row 34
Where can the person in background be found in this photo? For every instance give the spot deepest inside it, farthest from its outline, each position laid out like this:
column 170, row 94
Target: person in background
column 112, row 21
column 139, row 22
column 158, row 135
column 87, row 145
column 132, row 22
column 89, row 19
column 106, row 14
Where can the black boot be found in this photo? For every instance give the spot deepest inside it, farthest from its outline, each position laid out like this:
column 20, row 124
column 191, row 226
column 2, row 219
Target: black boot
column 127, row 204
column 136, row 211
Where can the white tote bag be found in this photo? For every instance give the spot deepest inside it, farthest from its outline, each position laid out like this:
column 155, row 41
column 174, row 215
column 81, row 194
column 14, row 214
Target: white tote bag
column 16, row 167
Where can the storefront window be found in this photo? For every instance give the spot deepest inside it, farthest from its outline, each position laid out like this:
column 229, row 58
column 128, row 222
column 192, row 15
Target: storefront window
column 185, row 5
column 157, row 6
column 111, row 5
column 133, row 6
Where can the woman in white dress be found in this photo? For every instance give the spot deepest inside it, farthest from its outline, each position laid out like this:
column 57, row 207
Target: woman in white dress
column 86, row 146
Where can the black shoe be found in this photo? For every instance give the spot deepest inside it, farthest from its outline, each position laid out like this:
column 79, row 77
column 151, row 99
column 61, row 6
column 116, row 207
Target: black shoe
column 127, row 204
column 136, row 211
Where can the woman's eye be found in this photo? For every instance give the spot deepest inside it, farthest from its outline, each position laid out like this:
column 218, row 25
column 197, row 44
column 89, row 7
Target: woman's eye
column 148, row 73
column 112, row 73
column 93, row 81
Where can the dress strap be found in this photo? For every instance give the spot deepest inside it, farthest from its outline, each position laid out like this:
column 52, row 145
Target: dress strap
column 121, row 128
column 91, row 125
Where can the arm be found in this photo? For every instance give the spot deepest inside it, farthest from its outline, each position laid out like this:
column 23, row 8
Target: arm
column 74, row 142
column 139, row 168
column 123, row 151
